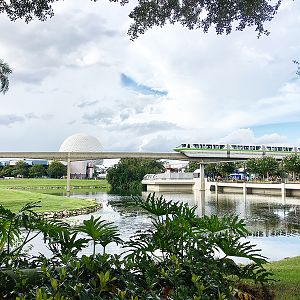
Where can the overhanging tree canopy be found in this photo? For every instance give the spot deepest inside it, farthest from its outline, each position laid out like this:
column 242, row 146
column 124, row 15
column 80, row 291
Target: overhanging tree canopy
column 223, row 15
column 5, row 70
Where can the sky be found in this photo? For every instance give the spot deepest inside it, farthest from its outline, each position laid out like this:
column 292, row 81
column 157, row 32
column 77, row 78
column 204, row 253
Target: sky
column 79, row 72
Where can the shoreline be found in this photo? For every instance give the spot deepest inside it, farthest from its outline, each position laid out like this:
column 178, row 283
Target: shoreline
column 70, row 213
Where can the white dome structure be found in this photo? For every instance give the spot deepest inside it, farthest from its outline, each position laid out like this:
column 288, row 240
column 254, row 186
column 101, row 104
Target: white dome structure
column 81, row 142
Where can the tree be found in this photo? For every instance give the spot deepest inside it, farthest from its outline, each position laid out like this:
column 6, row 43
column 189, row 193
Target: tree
column 21, row 168
column 224, row 15
column 198, row 14
column 268, row 166
column 126, row 176
column 6, row 171
column 264, row 166
column 292, row 164
column 211, row 169
column 191, row 167
column 224, row 169
column 5, row 70
column 252, row 166
column 56, row 169
column 37, row 171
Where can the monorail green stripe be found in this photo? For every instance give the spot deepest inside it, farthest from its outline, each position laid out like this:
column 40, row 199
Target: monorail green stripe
column 230, row 150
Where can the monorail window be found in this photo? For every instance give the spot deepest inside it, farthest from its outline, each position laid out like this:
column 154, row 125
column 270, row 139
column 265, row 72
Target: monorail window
column 222, row 146
column 246, row 147
column 196, row 146
column 188, row 146
column 209, row 146
column 279, row 148
column 183, row 145
column 290, row 149
column 269, row 148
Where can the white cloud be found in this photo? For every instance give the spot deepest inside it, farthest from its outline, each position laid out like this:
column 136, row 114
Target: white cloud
column 69, row 68
column 246, row 136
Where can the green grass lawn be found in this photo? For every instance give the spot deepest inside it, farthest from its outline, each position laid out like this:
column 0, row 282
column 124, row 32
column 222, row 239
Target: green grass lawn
column 49, row 182
column 287, row 271
column 14, row 200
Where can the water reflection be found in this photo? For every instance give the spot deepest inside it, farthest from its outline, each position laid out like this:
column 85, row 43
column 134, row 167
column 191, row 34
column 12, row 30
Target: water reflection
column 274, row 226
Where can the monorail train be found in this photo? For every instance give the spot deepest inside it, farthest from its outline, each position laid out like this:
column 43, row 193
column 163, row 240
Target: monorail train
column 236, row 147
column 190, row 149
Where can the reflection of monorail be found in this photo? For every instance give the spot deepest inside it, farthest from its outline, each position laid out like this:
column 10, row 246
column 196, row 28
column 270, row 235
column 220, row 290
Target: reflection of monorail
column 233, row 150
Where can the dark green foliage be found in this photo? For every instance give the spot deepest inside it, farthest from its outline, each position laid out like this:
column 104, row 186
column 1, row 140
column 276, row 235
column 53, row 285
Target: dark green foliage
column 191, row 167
column 187, row 265
column 126, row 176
column 264, row 166
column 6, row 171
column 100, row 232
column 223, row 169
column 298, row 67
column 224, row 15
column 57, row 170
column 12, row 241
column 292, row 164
column 181, row 257
column 37, row 171
column 21, row 169
column 5, row 70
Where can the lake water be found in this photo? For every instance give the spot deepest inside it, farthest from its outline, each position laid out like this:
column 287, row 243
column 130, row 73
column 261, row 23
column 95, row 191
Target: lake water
column 274, row 225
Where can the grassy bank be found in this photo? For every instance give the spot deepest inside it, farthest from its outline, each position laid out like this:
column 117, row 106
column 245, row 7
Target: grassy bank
column 14, row 193
column 14, row 200
column 35, row 183
column 287, row 271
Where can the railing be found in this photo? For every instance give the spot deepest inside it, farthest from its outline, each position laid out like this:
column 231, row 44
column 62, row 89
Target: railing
column 166, row 176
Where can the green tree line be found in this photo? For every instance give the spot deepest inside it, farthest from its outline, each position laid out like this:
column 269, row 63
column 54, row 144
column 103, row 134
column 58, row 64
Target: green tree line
column 262, row 167
column 21, row 169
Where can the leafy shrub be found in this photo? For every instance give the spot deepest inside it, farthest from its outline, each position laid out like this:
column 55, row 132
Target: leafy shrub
column 182, row 256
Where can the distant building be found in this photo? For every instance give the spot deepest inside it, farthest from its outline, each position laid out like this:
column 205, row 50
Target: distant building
column 4, row 163
column 174, row 167
column 30, row 162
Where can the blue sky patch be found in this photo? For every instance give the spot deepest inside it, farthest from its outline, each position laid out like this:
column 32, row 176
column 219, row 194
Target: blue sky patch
column 131, row 84
column 289, row 129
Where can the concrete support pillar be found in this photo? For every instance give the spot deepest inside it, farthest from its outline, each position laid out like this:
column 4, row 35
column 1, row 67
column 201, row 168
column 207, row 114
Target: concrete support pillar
column 68, row 175
column 283, row 193
column 201, row 174
column 199, row 181
column 216, row 189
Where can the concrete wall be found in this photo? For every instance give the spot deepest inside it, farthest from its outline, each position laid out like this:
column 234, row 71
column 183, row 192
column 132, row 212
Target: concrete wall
column 177, row 185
